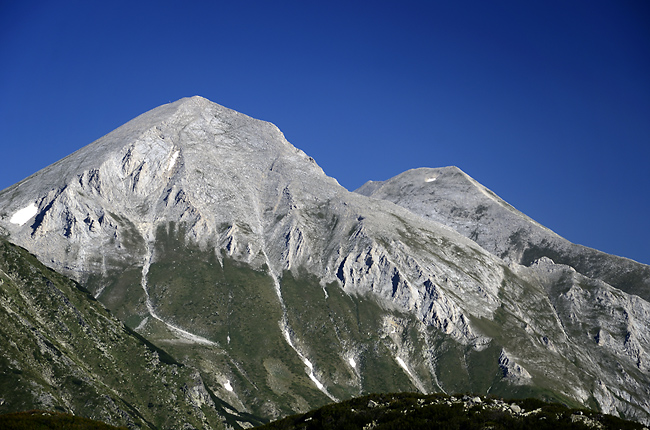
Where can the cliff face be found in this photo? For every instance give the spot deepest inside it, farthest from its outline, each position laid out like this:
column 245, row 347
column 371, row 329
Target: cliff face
column 210, row 235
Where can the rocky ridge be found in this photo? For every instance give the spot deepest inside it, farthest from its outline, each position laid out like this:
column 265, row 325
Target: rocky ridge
column 212, row 236
column 451, row 197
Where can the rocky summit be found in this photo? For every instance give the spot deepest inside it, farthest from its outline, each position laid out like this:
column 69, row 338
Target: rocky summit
column 213, row 238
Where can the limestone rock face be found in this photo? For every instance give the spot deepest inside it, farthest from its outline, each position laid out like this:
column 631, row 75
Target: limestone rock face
column 212, row 236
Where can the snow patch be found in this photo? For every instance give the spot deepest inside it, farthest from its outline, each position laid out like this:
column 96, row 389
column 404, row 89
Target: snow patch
column 316, row 381
column 228, row 386
column 311, row 374
column 430, row 179
column 401, row 363
column 24, row 215
column 284, row 326
column 308, row 364
column 352, row 362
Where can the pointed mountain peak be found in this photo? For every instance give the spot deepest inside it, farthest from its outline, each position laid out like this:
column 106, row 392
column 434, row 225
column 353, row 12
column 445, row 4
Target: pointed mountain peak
column 196, row 104
column 162, row 134
column 452, row 197
column 167, row 163
column 194, row 100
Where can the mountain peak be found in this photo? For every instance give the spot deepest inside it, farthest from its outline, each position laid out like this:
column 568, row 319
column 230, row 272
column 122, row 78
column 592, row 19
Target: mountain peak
column 195, row 99
column 197, row 104
column 206, row 231
column 191, row 160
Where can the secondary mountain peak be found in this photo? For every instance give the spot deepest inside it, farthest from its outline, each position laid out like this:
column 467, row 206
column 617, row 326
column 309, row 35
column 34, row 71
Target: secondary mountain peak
column 451, row 197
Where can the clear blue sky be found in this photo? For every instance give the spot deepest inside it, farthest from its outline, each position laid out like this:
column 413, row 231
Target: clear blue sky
column 547, row 103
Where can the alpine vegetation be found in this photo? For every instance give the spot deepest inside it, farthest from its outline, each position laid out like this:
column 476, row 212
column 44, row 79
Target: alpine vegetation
column 276, row 290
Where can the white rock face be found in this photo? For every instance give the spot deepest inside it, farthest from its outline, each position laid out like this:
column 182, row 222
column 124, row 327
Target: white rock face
column 441, row 265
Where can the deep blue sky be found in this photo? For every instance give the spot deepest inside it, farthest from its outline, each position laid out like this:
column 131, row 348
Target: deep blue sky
column 546, row 103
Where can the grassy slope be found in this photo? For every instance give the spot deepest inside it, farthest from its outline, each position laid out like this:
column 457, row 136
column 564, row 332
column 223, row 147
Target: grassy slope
column 62, row 350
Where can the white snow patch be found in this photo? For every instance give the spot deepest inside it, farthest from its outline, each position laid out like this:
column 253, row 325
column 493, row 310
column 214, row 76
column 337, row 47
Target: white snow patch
column 173, row 160
column 352, row 362
column 316, row 381
column 311, row 374
column 179, row 331
column 401, row 363
column 430, row 179
column 24, row 215
column 285, row 330
column 228, row 386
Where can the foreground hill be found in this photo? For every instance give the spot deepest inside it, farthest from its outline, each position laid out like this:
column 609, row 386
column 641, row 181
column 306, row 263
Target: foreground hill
column 46, row 420
column 207, row 233
column 61, row 350
column 416, row 411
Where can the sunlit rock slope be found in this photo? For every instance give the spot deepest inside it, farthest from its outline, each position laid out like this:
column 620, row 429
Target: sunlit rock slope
column 451, row 197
